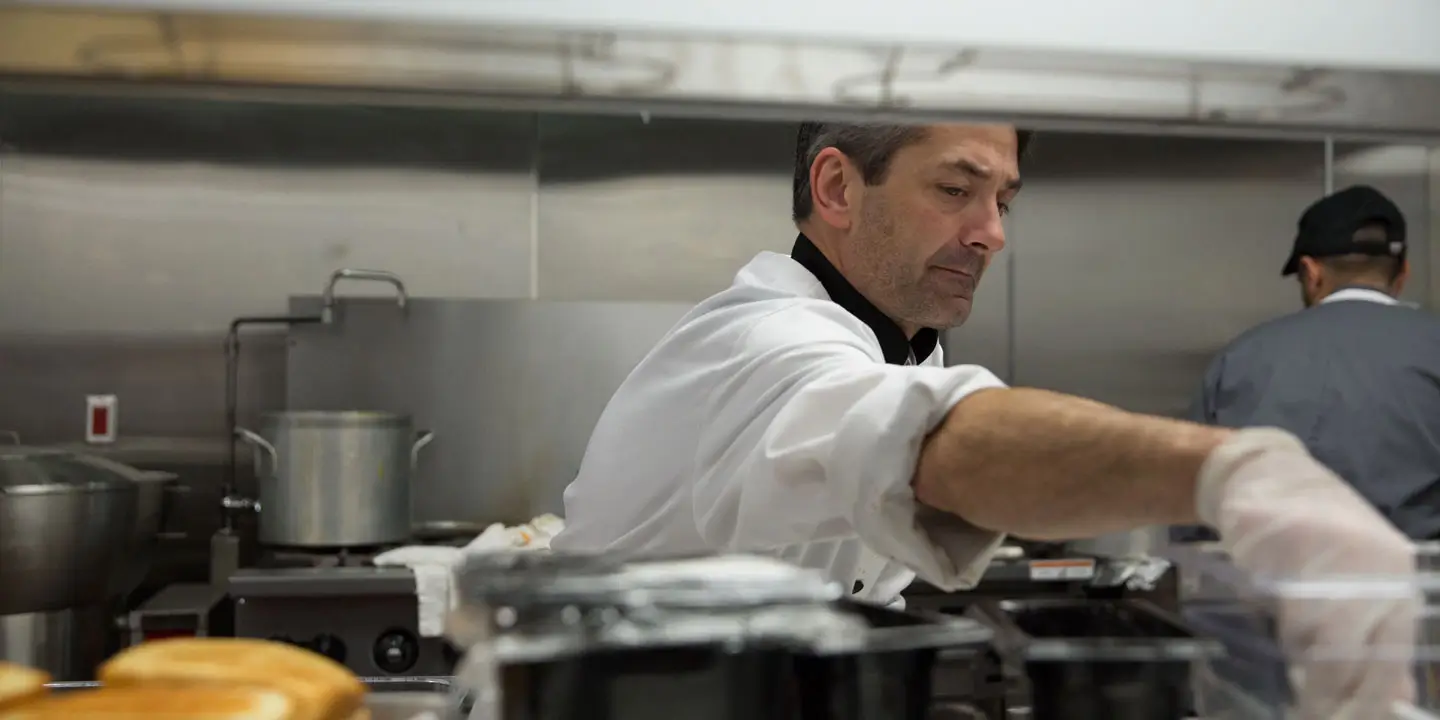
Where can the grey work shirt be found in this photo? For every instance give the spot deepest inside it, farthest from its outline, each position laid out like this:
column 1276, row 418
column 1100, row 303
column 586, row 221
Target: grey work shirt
column 1357, row 378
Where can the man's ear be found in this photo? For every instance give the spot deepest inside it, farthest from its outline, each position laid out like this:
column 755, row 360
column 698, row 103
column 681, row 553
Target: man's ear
column 1311, row 272
column 1398, row 286
column 832, row 177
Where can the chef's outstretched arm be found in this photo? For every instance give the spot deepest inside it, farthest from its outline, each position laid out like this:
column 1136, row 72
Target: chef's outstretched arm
column 1047, row 466
column 808, row 438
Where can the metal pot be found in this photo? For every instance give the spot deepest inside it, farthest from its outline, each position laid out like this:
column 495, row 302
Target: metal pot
column 335, row 479
column 158, row 493
column 68, row 644
column 65, row 528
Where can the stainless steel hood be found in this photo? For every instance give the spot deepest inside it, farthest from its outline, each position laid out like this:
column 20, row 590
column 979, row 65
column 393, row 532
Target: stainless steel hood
column 1250, row 66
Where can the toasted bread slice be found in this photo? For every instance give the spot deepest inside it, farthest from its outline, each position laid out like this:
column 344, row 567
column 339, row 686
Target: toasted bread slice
column 195, row 702
column 20, row 684
column 321, row 688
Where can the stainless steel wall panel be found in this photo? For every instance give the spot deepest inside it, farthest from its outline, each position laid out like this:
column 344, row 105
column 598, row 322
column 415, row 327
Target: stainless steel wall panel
column 172, row 387
column 511, row 389
column 662, row 210
column 161, row 221
column 1138, row 258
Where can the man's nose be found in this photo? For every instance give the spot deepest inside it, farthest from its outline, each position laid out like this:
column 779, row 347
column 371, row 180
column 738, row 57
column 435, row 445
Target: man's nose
column 986, row 230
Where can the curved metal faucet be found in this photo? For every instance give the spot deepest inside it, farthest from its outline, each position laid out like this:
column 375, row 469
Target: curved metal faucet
column 327, row 310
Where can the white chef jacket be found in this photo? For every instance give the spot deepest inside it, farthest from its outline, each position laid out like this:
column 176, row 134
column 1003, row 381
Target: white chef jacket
column 768, row 421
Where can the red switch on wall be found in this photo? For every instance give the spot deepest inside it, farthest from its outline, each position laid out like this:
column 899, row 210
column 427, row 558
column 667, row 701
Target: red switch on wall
column 100, row 417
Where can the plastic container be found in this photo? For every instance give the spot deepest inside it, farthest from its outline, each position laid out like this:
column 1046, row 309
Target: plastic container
column 699, row 682
column 717, row 638
column 407, row 698
column 892, row 675
column 766, row 676
column 1099, row 659
column 1250, row 680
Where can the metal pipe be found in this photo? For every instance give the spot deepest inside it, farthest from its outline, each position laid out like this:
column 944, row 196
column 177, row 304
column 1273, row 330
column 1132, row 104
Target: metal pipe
column 232, row 393
column 1329, row 165
column 229, row 503
column 327, row 299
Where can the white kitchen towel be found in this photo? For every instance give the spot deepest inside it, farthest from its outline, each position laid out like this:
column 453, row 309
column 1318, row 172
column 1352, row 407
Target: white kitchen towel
column 434, row 569
column 534, row 535
column 434, row 566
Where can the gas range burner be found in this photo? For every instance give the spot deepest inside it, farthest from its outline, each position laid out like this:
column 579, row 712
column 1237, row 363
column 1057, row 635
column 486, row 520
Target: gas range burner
column 278, row 558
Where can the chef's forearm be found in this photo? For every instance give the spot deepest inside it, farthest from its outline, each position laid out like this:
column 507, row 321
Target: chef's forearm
column 1045, row 466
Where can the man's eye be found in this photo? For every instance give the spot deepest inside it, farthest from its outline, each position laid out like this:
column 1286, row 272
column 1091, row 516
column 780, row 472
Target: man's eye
column 952, row 191
column 1004, row 208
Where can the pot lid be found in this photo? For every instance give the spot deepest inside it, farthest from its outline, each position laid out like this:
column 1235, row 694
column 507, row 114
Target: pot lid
column 37, row 471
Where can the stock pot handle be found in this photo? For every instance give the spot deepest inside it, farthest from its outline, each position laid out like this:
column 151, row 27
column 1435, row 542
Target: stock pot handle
column 422, row 439
column 259, row 443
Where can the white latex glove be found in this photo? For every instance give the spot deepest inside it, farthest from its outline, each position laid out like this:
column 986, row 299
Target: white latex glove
column 1281, row 515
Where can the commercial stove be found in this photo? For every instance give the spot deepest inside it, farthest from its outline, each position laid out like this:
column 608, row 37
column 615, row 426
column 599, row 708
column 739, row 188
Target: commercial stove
column 1016, row 573
column 339, row 605
column 1035, row 575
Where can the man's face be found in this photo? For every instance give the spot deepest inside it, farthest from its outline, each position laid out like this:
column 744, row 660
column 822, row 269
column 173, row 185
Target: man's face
column 921, row 239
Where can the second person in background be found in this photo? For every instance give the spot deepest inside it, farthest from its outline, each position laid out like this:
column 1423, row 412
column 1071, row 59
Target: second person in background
column 1355, row 375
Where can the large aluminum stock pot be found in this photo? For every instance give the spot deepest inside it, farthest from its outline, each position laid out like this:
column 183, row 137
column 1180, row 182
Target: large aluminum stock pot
column 335, row 479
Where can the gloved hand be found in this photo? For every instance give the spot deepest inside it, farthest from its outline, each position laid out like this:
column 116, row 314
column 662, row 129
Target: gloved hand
column 1283, row 516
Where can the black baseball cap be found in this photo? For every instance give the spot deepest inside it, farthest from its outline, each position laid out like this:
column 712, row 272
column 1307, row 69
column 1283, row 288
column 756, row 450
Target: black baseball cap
column 1332, row 226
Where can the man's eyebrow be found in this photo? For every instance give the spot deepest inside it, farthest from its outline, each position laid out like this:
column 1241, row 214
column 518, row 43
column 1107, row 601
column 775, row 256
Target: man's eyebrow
column 976, row 170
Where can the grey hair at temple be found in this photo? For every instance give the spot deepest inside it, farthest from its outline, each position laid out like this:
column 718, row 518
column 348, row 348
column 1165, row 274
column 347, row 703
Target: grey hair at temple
column 870, row 146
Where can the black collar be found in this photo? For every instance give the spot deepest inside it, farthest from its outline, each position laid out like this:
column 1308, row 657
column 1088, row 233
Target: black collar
column 893, row 343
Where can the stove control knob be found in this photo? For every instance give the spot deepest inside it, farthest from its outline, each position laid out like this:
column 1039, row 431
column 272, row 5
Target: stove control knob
column 329, row 646
column 397, row 651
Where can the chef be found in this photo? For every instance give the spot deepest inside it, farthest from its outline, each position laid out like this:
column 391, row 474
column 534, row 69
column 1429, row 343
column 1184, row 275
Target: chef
column 1356, row 375
column 806, row 411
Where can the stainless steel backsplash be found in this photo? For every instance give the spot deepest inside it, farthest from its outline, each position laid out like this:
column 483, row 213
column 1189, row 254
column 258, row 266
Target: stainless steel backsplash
column 170, row 386
column 510, row 388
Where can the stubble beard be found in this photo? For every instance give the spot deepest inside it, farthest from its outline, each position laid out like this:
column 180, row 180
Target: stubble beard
column 899, row 289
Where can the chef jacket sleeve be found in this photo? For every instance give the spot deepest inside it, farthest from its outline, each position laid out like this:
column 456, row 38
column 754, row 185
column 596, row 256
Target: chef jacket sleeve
column 813, row 437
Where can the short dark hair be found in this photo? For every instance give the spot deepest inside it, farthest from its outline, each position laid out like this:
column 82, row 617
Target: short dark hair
column 1356, row 268
column 870, row 146
column 1359, row 267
